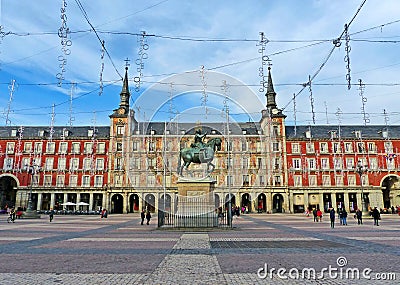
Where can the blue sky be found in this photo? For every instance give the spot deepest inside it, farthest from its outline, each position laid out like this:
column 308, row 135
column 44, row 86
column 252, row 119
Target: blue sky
column 182, row 36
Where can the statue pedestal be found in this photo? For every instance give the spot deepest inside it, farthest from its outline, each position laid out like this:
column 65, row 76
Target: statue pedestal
column 196, row 207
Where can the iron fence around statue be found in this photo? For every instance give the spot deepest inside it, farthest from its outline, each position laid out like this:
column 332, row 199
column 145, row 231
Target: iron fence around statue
column 194, row 212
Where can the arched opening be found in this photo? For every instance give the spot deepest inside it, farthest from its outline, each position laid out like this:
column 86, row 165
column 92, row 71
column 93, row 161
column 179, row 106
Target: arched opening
column 277, row 202
column 133, row 203
column 391, row 191
column 232, row 199
column 149, row 203
column 246, row 202
column 8, row 192
column 261, row 203
column 117, row 202
column 216, row 201
column 167, row 206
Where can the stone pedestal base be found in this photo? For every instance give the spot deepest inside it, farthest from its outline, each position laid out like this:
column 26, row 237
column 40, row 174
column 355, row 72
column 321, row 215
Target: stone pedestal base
column 30, row 214
column 195, row 207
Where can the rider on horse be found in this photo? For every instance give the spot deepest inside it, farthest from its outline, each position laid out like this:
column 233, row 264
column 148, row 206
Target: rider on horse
column 198, row 140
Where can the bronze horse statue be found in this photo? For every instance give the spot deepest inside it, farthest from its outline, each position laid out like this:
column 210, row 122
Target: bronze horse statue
column 199, row 155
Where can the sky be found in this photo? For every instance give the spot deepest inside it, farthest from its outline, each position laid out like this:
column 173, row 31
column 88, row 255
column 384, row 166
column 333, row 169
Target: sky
column 189, row 60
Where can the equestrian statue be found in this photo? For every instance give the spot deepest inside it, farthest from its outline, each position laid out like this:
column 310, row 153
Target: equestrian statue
column 199, row 152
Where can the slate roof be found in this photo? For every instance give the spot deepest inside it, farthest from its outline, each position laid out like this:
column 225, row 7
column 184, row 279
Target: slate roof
column 346, row 132
column 102, row 132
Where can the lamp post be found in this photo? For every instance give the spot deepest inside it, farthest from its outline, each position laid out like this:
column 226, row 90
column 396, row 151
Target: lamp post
column 361, row 169
column 30, row 213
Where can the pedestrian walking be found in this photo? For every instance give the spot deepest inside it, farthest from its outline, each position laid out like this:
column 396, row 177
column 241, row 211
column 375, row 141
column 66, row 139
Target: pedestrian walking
column 359, row 217
column 340, row 216
column 332, row 217
column 344, row 217
column 148, row 217
column 142, row 216
column 51, row 215
column 319, row 215
column 377, row 216
column 314, row 212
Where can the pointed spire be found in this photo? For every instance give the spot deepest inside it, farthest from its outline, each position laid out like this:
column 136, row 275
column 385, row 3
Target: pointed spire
column 271, row 104
column 125, row 95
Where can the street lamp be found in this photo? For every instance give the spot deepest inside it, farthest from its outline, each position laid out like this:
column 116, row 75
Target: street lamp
column 30, row 213
column 361, row 169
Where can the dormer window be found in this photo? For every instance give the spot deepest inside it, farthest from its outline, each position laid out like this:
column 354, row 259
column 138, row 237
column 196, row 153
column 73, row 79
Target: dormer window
column 357, row 134
column 90, row 133
column 65, row 132
column 385, row 134
column 333, row 135
column 41, row 133
column 14, row 133
column 244, row 132
column 308, row 134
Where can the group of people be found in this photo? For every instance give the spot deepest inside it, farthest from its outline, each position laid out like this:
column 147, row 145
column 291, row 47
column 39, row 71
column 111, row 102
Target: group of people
column 342, row 213
column 145, row 215
column 317, row 214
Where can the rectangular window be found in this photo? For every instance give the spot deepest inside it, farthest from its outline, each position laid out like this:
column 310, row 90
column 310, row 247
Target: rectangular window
column 338, row 163
column 74, row 164
column 60, row 181
column 229, row 180
column 275, row 131
column 349, row 162
column 10, row 147
column 277, row 180
column 73, row 180
column 28, row 147
column 245, row 180
column 297, row 179
column 135, row 179
column 348, row 147
column 88, row 148
column 76, row 148
column 261, row 179
column 51, row 147
column 339, row 180
column 324, row 163
column 118, row 163
column 296, row 163
column 47, row 180
column 87, row 164
column 118, row 180
column 311, row 163
column 37, row 161
column 371, row 147
column 390, row 164
column 388, row 147
column 365, row 180
column 229, row 162
column 259, row 163
column 151, row 180
column 245, row 163
column 275, row 146
column 360, row 147
column 35, row 180
column 86, row 181
column 336, row 147
column 310, row 147
column 99, row 164
column 62, row 163
column 135, row 146
column 152, row 146
column 8, row 163
column 295, row 148
column 277, row 163
column 228, row 146
column 119, row 146
column 244, row 145
column 120, row 130
column 136, row 163
column 26, row 161
column 351, row 180
column 63, row 148
column 373, row 163
column 38, row 147
column 151, row 163
column 101, row 148
column 312, row 180
column 326, row 180
column 323, row 147
column 49, row 164
column 98, row 181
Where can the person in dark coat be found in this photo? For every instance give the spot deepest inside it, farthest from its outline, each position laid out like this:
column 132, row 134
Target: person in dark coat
column 148, row 217
column 359, row 216
column 332, row 216
column 51, row 215
column 377, row 216
column 142, row 216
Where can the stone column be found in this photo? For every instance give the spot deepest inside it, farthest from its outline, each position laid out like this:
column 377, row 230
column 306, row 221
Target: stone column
column 306, row 201
column 141, row 204
column 91, row 202
column 78, row 197
column 268, row 197
column 359, row 201
column 65, row 198
column 52, row 200
column 290, row 202
column 333, row 199
column 346, row 201
column 125, row 203
column 39, row 202
column 321, row 202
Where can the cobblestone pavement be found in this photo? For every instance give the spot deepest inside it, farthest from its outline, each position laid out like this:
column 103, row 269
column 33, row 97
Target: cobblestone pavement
column 118, row 250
